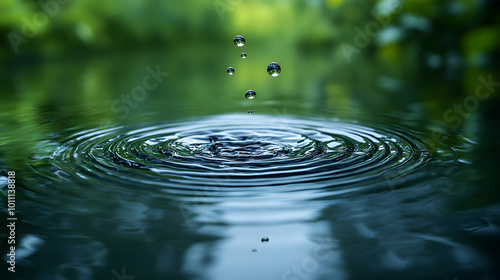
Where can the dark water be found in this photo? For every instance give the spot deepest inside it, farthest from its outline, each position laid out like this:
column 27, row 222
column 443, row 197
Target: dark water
column 165, row 194
column 192, row 199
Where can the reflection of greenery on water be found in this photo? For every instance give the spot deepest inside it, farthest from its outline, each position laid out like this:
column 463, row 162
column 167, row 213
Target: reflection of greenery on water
column 422, row 58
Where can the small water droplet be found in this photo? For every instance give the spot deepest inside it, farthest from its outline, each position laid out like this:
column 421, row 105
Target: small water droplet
column 230, row 71
column 264, row 239
column 239, row 40
column 250, row 112
column 250, row 94
column 243, row 55
column 274, row 69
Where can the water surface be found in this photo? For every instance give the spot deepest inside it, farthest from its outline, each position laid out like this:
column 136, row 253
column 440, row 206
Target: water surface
column 186, row 185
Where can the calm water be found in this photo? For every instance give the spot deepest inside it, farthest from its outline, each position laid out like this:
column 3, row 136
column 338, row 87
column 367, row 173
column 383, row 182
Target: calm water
column 184, row 184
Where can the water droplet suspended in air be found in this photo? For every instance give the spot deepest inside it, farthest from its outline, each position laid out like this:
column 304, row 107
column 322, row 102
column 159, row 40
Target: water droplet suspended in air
column 264, row 239
column 243, row 55
column 274, row 69
column 250, row 112
column 230, row 71
column 250, row 94
column 239, row 40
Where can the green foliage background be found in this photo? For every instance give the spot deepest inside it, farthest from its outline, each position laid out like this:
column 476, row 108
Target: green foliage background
column 83, row 55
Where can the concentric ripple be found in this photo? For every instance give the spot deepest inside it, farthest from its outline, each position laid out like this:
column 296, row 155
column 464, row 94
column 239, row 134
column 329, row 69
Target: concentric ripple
column 234, row 151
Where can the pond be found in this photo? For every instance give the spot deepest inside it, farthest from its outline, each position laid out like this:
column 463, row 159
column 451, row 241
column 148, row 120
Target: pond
column 147, row 165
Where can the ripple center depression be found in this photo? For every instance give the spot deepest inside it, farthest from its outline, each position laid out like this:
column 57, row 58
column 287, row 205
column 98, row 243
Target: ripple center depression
column 228, row 151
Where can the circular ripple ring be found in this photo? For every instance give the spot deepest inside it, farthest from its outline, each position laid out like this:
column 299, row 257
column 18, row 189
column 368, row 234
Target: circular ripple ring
column 231, row 152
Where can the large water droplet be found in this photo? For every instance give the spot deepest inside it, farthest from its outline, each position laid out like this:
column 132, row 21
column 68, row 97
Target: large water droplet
column 243, row 55
column 250, row 94
column 273, row 69
column 230, row 71
column 264, row 239
column 239, row 40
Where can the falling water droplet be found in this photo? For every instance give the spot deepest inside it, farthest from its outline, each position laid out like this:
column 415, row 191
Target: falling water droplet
column 250, row 94
column 239, row 40
column 243, row 55
column 230, row 71
column 250, row 112
column 274, row 69
column 264, row 239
